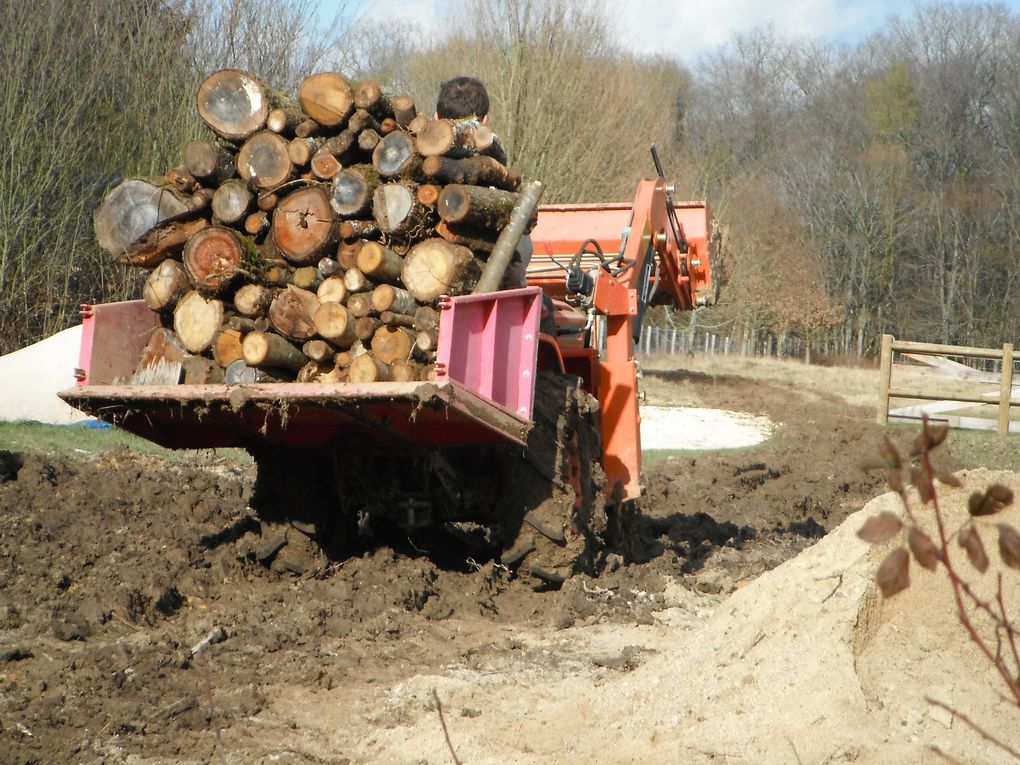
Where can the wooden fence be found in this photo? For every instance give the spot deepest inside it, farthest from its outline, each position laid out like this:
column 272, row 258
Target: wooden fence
column 934, row 355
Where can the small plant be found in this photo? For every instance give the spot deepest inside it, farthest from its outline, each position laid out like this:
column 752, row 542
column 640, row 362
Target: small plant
column 1002, row 646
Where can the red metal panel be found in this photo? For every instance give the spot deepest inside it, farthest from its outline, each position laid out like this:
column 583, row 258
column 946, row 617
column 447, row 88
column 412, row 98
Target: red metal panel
column 112, row 338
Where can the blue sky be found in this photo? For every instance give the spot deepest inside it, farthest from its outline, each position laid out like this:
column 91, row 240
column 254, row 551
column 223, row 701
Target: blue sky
column 685, row 29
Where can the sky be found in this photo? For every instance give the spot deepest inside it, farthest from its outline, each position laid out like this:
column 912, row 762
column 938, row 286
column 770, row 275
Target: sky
column 687, row 29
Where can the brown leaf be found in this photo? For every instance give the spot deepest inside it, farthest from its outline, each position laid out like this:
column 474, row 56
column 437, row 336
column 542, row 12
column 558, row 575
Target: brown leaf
column 924, row 550
column 948, row 479
column 929, row 437
column 890, row 453
column 992, row 501
column 894, row 574
column 970, row 541
column 881, row 527
column 894, row 477
column 925, row 489
column 1009, row 545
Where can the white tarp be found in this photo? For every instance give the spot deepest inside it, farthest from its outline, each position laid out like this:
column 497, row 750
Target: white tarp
column 31, row 377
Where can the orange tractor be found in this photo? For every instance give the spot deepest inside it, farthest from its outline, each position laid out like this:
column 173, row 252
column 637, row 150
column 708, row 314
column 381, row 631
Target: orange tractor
column 523, row 446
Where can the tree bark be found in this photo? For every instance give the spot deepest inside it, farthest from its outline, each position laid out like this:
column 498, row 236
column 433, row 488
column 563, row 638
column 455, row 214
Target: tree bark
column 285, row 120
column 352, row 190
column 426, row 343
column 264, row 160
column 182, row 180
column 319, row 351
column 167, row 284
column 359, row 229
column 301, row 150
column 163, row 241
column 336, row 324
column 356, row 281
column 347, row 253
column 435, row 267
column 395, row 156
column 252, row 300
column 265, row 350
column 378, row 263
column 360, row 304
column 474, row 171
column 209, row 162
column 426, row 318
column 367, row 369
column 292, row 313
column 232, row 201
column 214, row 257
column 328, row 267
column 392, row 343
column 417, row 123
column 361, row 120
column 304, row 225
column 447, row 138
column 197, row 320
column 326, row 98
column 397, row 210
column 472, row 238
column 365, row 327
column 396, row 319
column 485, row 142
column 233, row 103
column 332, row 290
column 386, row 297
column 404, row 110
column 370, row 96
column 133, row 208
column 476, row 206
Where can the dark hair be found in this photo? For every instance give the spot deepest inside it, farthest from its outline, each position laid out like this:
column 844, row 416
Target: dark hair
column 462, row 97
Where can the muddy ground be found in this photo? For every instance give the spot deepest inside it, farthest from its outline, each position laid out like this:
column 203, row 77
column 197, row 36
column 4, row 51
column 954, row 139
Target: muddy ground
column 112, row 570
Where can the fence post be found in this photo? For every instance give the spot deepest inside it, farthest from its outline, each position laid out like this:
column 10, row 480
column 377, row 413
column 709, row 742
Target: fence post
column 884, row 380
column 1005, row 387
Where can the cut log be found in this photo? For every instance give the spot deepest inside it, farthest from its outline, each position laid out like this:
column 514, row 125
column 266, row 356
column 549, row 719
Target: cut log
column 405, row 370
column 395, row 156
column 362, row 120
column 403, row 110
column 326, row 98
column 279, row 276
column 339, row 144
column 360, row 304
column 328, row 267
column 476, row 206
column 441, row 137
column 265, row 350
column 201, row 198
column 209, row 162
column 215, row 256
column 252, row 300
column 378, row 263
column 264, row 160
column 472, row 238
column 368, row 139
column 367, row 369
column 267, row 201
column 332, row 290
column 199, row 370
column 307, row 278
column 167, row 284
column 319, row 351
column 365, row 327
column 398, row 212
column 396, row 319
column 197, row 320
column 315, row 371
column 233, row 103
column 308, row 129
column 426, row 343
column 359, row 229
column 182, row 180
column 304, row 225
column 325, row 166
column 134, row 208
column 257, row 223
column 388, row 125
column 370, row 96
column 285, row 120
column 392, row 343
column 301, row 150
column 347, row 253
column 352, row 190
column 226, row 347
column 159, row 243
column 435, row 267
column 292, row 313
column 428, row 193
column 356, row 281
column 417, row 124
column 426, row 318
column 232, row 201
column 485, row 142
column 245, row 324
column 392, row 299
column 474, row 171
column 336, row 324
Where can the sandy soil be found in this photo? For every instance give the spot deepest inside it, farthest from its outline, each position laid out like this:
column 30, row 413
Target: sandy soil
column 737, row 623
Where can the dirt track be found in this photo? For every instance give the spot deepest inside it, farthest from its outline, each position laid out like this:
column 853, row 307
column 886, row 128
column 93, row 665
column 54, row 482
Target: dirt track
column 114, row 568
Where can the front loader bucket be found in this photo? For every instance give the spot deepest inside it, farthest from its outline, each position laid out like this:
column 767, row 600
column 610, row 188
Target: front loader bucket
column 483, row 392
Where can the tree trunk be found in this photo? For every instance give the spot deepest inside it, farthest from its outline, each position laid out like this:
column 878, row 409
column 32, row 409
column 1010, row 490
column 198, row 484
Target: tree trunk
column 214, row 257
column 378, row 263
column 233, row 103
column 474, row 171
column 435, row 267
column 167, row 284
column 292, row 313
column 473, row 238
column 232, row 201
column 352, row 190
column 392, row 343
column 476, row 206
column 197, row 320
column 361, row 120
column 326, row 98
column 209, row 162
column 304, row 225
column 264, row 350
column 133, row 208
column 332, row 290
column 285, row 120
column 395, row 156
column 368, row 369
column 397, row 210
column 386, row 297
column 335, row 323
column 485, row 142
column 447, row 138
column 404, row 110
column 252, row 300
column 264, row 160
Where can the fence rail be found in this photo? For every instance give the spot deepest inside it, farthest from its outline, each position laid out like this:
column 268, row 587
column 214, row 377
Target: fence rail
column 890, row 346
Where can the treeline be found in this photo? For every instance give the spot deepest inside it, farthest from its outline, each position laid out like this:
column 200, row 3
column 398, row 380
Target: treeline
column 859, row 190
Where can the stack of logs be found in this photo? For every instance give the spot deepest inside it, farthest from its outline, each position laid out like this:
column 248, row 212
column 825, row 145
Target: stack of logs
column 309, row 241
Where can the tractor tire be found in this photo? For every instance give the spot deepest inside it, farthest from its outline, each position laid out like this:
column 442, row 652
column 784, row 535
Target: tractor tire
column 555, row 511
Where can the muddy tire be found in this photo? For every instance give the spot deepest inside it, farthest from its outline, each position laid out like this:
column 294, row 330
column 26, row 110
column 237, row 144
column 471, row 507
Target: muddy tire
column 556, row 528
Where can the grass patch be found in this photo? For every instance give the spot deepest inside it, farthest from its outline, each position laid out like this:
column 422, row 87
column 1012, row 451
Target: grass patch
column 79, row 440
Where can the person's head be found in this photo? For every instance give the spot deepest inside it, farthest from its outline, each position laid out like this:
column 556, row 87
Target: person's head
column 461, row 98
